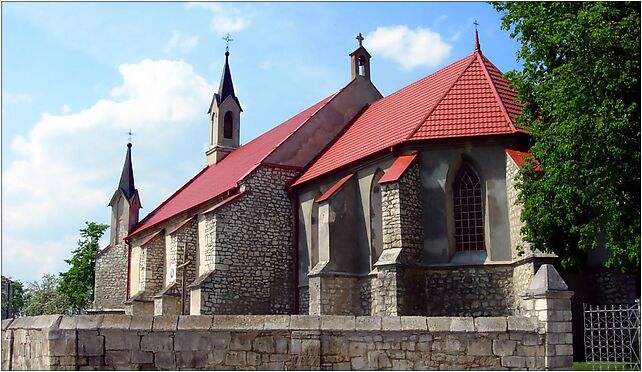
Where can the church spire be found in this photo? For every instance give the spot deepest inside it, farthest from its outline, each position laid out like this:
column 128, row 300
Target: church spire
column 360, row 60
column 126, row 184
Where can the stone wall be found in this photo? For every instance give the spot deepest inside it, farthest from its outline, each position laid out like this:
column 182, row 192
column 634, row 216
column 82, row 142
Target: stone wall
column 470, row 291
column 274, row 342
column 111, row 278
column 514, row 211
column 152, row 264
column 334, row 294
column 187, row 234
column 252, row 249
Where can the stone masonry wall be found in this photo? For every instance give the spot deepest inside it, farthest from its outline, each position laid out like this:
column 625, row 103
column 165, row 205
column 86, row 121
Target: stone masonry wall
column 252, row 249
column 336, row 295
column 276, row 342
column 514, row 211
column 152, row 267
column 111, row 278
column 304, row 300
column 188, row 234
column 470, row 291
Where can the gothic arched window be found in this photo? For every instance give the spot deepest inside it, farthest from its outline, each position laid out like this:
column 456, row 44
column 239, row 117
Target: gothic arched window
column 228, row 125
column 468, row 212
column 376, row 224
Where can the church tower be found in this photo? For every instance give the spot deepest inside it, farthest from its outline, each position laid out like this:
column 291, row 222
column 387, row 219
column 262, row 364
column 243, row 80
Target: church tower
column 125, row 203
column 360, row 60
column 225, row 117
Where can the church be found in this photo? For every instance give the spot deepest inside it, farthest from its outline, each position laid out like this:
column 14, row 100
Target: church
column 358, row 205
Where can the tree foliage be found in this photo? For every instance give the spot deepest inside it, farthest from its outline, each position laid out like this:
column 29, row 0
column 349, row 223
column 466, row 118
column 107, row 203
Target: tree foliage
column 581, row 89
column 77, row 283
column 44, row 298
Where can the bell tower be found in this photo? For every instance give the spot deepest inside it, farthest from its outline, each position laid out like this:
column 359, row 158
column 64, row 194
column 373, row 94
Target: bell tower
column 360, row 60
column 225, row 116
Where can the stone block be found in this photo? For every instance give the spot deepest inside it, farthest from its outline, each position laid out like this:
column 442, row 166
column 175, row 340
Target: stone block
column 531, row 339
column 559, row 327
column 215, row 358
column 253, row 359
column 191, row 360
column 305, row 322
column 401, row 365
column 281, row 344
column 263, row 344
column 413, row 323
column 235, row 358
column 189, row 322
column 157, row 341
column 238, row 322
column 504, row 347
column 117, row 357
column 514, row 361
column 90, row 343
column 529, row 351
column 522, row 323
column 491, row 324
column 310, row 347
column 61, row 342
column 338, row 323
column 45, row 321
column 242, row 340
column 480, row 347
column 276, row 322
column 358, row 363
column 165, row 360
column 165, row 323
column 563, row 349
column 142, row 357
column 141, row 323
column 390, row 323
column 439, row 324
column 119, row 321
column 201, row 340
column 559, row 362
column 21, row 323
column 357, row 349
column 116, row 339
column 6, row 323
column 462, row 324
column 80, row 322
column 368, row 323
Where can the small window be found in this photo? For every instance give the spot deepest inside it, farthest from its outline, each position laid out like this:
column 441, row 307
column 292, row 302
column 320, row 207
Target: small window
column 468, row 212
column 228, row 125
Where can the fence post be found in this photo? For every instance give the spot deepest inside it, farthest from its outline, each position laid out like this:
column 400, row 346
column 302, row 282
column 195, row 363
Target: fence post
column 549, row 300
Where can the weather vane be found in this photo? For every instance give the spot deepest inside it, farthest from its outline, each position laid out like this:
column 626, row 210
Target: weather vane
column 227, row 42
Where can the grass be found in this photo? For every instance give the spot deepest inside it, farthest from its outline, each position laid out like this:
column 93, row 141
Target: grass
column 605, row 366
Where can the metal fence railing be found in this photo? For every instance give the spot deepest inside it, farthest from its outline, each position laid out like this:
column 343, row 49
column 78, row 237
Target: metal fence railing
column 612, row 336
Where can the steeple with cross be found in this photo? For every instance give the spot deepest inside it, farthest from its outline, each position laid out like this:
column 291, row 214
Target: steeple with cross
column 360, row 60
column 227, row 39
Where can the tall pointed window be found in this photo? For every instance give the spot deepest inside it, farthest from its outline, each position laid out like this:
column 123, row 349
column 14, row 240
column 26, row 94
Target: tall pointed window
column 468, row 215
column 228, row 125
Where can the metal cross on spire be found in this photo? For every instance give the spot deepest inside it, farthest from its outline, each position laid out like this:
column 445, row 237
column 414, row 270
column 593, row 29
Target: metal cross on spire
column 129, row 135
column 477, row 48
column 360, row 39
column 476, row 24
column 227, row 39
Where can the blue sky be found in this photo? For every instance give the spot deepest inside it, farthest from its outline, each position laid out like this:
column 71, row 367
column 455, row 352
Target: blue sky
column 77, row 76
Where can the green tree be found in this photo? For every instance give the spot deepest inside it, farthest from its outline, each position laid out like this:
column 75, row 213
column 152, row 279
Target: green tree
column 581, row 89
column 18, row 298
column 44, row 298
column 77, row 283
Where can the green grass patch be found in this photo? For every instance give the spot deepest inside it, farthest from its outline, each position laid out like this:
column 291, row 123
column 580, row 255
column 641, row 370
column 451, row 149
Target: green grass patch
column 605, row 366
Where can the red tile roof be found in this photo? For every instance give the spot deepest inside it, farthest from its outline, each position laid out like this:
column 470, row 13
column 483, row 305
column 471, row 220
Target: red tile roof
column 520, row 157
column 467, row 98
column 397, row 168
column 217, row 179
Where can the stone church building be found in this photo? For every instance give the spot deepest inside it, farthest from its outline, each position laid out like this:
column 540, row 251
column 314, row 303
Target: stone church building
column 358, row 205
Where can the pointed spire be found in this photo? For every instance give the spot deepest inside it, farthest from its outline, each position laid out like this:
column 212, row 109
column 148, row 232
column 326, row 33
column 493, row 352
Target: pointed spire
column 126, row 184
column 226, row 86
column 477, row 47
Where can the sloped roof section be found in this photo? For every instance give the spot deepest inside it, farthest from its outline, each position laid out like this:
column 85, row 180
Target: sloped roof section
column 466, row 98
column 219, row 178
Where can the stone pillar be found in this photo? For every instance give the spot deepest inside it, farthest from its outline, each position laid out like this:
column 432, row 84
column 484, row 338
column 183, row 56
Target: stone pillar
column 549, row 300
column 402, row 248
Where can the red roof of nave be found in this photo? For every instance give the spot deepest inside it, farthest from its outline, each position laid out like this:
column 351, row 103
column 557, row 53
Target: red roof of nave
column 217, row 179
column 467, row 98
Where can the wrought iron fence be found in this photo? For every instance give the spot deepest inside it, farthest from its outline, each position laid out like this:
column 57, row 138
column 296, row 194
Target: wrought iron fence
column 612, row 336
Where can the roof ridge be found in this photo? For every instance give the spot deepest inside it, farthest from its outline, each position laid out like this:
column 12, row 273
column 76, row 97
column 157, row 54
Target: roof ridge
column 493, row 88
column 432, row 109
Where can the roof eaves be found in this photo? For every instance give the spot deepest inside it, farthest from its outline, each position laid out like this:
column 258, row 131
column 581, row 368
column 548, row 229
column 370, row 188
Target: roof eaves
column 182, row 224
column 495, row 92
column 152, row 237
column 432, row 109
column 398, row 168
column 336, row 187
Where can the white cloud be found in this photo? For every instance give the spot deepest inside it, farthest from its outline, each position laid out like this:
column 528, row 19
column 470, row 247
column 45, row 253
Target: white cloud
column 65, row 166
column 409, row 48
column 16, row 98
column 65, row 109
column 225, row 18
column 36, row 257
column 181, row 43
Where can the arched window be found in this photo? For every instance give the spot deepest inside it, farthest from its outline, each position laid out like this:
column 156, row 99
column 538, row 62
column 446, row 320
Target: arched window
column 314, row 238
column 228, row 125
column 468, row 212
